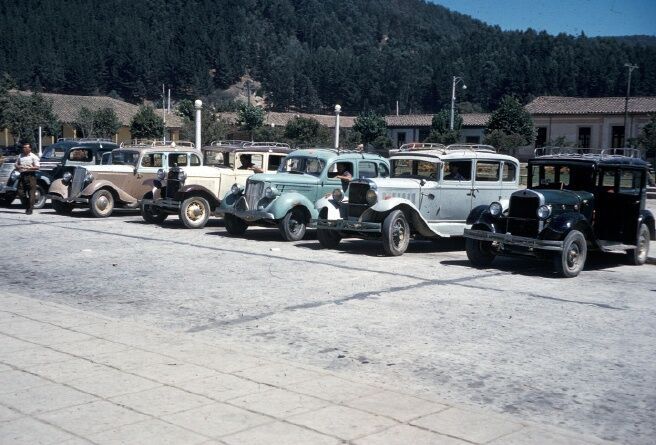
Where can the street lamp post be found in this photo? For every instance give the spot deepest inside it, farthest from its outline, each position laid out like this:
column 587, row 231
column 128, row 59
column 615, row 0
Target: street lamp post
column 198, row 104
column 338, row 109
column 627, row 134
column 456, row 81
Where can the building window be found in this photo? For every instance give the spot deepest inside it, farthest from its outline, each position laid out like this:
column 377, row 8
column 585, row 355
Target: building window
column 584, row 137
column 400, row 138
column 472, row 139
column 541, row 138
column 617, row 136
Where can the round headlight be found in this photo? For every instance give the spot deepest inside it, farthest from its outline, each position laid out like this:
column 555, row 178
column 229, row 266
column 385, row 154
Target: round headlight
column 67, row 177
column 182, row 176
column 544, row 212
column 495, row 209
column 15, row 175
column 161, row 174
column 371, row 197
column 338, row 195
column 88, row 177
column 270, row 192
column 235, row 189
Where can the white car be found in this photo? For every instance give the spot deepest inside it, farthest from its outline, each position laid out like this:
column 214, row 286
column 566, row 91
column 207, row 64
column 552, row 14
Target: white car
column 429, row 194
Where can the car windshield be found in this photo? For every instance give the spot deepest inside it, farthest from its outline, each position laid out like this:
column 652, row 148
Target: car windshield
column 216, row 158
column 302, row 165
column 125, row 158
column 561, row 177
column 414, row 168
column 54, row 151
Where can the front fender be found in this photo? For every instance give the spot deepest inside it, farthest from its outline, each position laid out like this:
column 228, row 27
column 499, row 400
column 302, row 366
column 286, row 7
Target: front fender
column 564, row 223
column 101, row 183
column 58, row 188
column 230, row 199
column 332, row 207
column 386, row 205
column 480, row 218
column 203, row 191
column 646, row 217
column 287, row 201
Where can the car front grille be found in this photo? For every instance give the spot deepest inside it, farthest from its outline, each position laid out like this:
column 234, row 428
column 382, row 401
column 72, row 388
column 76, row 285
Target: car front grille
column 524, row 207
column 358, row 193
column 172, row 183
column 77, row 183
column 528, row 227
column 253, row 194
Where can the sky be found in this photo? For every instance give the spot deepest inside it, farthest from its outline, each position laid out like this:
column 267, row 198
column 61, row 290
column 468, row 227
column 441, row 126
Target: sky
column 593, row 17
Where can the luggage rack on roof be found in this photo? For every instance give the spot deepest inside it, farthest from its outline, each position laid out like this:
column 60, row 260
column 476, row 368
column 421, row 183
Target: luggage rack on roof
column 84, row 139
column 157, row 143
column 473, row 147
column 588, row 152
column 265, row 144
column 420, row 146
column 414, row 146
column 231, row 142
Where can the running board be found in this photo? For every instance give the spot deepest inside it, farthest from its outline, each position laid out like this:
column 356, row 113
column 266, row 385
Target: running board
column 612, row 246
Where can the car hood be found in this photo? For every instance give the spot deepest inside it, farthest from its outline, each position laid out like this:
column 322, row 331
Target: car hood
column 395, row 183
column 559, row 197
column 285, row 179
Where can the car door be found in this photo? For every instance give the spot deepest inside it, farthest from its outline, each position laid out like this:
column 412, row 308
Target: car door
column 509, row 179
column 429, row 189
column 456, row 190
column 487, row 182
column 146, row 171
column 330, row 182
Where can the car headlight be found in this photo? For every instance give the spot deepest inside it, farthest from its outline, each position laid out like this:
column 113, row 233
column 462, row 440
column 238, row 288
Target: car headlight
column 15, row 175
column 68, row 176
column 161, row 174
column 88, row 178
column 182, row 176
column 338, row 195
column 544, row 212
column 235, row 189
column 371, row 197
column 495, row 209
column 271, row 192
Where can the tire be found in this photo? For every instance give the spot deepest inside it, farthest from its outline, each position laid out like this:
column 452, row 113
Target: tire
column 62, row 208
column 194, row 212
column 329, row 239
column 39, row 198
column 293, row 226
column 480, row 253
column 152, row 214
column 102, row 203
column 396, row 233
column 638, row 257
column 234, row 226
column 570, row 262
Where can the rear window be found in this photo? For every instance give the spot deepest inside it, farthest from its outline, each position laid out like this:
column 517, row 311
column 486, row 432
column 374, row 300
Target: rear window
column 487, row 171
column 509, row 172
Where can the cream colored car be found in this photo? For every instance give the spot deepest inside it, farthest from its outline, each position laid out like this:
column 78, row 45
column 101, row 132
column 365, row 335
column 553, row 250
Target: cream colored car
column 123, row 183
column 195, row 192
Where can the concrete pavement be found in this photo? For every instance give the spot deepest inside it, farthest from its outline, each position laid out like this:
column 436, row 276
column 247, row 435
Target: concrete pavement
column 73, row 377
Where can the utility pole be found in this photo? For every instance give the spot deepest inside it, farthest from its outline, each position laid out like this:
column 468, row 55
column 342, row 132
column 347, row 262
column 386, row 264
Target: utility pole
column 338, row 109
column 456, row 81
column 627, row 134
column 198, row 104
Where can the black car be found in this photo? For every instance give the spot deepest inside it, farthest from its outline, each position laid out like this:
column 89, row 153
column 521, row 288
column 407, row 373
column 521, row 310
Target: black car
column 63, row 152
column 575, row 200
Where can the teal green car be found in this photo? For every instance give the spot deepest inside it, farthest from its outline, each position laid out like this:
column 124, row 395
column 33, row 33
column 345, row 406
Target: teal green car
column 286, row 199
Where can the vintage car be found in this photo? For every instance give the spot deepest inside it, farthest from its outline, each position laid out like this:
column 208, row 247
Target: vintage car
column 55, row 157
column 576, row 200
column 430, row 192
column 195, row 192
column 286, row 199
column 123, row 183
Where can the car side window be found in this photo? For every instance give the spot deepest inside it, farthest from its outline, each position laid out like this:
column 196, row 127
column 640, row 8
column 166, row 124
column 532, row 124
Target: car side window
column 383, row 170
column 367, row 169
column 339, row 168
column 195, row 161
column 152, row 160
column 607, row 181
column 106, row 158
column 84, row 155
column 176, row 160
column 274, row 161
column 457, row 170
column 487, row 171
column 509, row 172
column 630, row 182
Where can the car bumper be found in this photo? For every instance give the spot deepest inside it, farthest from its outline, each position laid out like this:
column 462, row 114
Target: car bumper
column 344, row 225
column 506, row 239
column 246, row 215
column 68, row 200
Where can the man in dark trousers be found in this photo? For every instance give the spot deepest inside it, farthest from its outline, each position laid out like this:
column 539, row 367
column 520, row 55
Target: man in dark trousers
column 27, row 164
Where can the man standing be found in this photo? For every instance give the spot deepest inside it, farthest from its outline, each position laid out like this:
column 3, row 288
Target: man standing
column 27, row 164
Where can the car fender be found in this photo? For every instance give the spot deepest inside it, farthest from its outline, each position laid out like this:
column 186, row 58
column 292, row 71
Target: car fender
column 476, row 214
column 561, row 225
column 118, row 193
column 195, row 189
column 646, row 217
column 44, row 180
column 230, row 199
column 331, row 208
column 58, row 188
column 381, row 209
column 287, row 201
column 480, row 218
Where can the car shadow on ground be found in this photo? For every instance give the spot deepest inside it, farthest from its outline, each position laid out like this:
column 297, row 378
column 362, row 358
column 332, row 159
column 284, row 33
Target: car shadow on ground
column 543, row 268
column 375, row 247
column 264, row 234
column 174, row 223
column 86, row 213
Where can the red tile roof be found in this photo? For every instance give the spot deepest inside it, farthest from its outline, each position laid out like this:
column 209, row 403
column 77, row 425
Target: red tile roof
column 590, row 105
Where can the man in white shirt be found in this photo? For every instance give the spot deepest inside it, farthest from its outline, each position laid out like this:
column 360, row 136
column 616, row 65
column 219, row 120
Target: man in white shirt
column 27, row 164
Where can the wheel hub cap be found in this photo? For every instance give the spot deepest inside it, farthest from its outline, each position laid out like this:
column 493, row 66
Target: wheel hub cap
column 102, row 203
column 573, row 256
column 195, row 211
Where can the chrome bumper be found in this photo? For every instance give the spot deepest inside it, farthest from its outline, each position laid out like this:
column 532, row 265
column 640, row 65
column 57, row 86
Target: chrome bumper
column 246, row 215
column 68, row 200
column 344, row 225
column 512, row 240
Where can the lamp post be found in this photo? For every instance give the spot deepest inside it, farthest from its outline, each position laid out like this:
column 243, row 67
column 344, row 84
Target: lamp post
column 456, row 81
column 627, row 134
column 198, row 104
column 338, row 109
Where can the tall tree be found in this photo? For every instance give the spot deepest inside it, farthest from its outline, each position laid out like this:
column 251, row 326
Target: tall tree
column 250, row 117
column 147, row 124
column 106, row 123
column 85, row 122
column 441, row 128
column 23, row 115
column 370, row 126
column 510, row 126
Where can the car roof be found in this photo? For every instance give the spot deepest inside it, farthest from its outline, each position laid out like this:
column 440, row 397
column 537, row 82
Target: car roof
column 157, row 149
column 435, row 152
column 331, row 153
column 69, row 143
column 620, row 157
column 254, row 147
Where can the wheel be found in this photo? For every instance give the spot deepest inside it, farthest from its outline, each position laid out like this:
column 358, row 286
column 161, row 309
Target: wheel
column 569, row 263
column 62, row 208
column 152, row 214
column 39, row 198
column 102, row 203
column 480, row 253
column 194, row 212
column 292, row 226
column 329, row 239
column 396, row 233
column 235, row 226
column 638, row 257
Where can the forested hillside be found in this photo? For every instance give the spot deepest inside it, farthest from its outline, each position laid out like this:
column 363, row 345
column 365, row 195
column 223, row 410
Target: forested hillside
column 308, row 54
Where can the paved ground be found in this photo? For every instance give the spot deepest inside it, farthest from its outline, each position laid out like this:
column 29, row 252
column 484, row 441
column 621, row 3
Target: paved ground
column 573, row 353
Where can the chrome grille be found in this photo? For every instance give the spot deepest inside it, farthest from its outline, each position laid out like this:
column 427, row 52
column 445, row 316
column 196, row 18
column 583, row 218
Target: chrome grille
column 172, row 183
column 524, row 206
column 358, row 193
column 77, row 183
column 253, row 194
